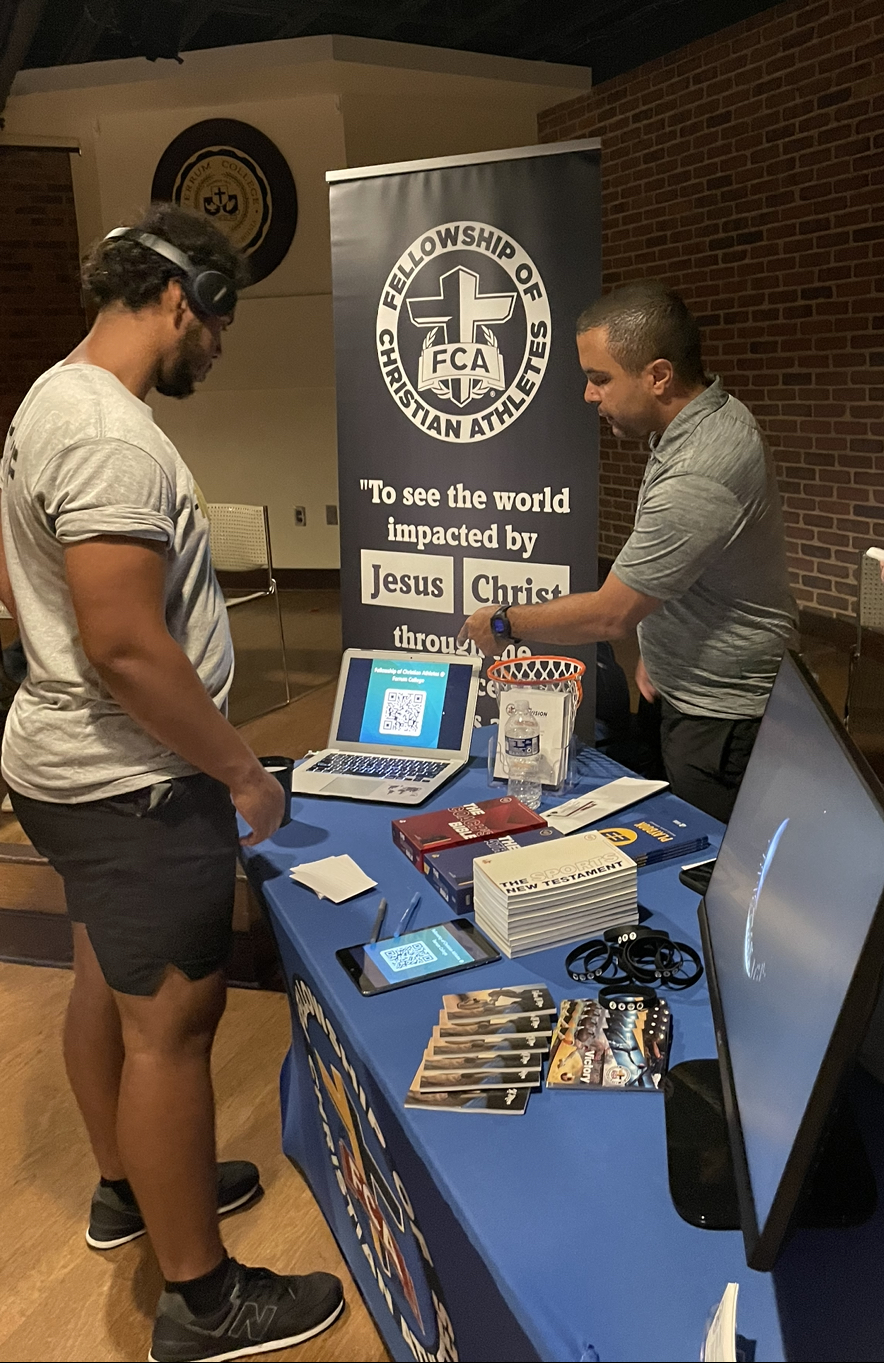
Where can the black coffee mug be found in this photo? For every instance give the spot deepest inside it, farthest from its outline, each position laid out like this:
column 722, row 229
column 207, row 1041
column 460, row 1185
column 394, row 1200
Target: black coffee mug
column 281, row 768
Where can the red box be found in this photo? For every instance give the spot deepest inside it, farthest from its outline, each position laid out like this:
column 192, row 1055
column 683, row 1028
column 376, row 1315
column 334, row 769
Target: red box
column 462, row 824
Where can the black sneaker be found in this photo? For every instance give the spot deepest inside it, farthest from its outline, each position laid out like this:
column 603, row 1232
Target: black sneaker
column 263, row 1311
column 113, row 1222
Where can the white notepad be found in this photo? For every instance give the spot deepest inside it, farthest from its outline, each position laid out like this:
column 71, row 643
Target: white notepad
column 334, row 878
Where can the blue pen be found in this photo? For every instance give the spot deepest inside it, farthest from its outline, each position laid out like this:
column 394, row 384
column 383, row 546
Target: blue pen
column 406, row 917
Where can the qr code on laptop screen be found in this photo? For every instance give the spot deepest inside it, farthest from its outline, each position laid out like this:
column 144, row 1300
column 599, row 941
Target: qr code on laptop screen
column 403, row 712
column 408, row 956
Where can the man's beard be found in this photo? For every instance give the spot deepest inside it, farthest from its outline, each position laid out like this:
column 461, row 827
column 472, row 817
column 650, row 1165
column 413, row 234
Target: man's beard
column 180, row 380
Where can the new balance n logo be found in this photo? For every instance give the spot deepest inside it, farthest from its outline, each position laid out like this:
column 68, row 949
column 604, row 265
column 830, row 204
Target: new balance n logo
column 251, row 1322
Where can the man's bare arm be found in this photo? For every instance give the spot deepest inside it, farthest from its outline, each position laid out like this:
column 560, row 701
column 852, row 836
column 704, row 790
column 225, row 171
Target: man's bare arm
column 582, row 618
column 118, row 591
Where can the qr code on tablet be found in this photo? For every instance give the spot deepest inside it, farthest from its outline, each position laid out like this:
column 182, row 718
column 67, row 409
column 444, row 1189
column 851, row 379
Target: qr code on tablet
column 408, row 956
column 403, row 712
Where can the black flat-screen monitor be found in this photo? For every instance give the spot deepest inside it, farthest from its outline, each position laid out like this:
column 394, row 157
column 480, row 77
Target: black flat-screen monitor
column 793, row 933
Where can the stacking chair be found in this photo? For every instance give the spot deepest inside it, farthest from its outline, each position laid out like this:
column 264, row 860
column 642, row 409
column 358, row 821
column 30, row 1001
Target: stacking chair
column 240, row 540
column 864, row 709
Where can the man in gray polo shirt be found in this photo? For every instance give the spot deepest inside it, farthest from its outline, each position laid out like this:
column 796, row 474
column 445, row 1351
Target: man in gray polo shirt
column 703, row 575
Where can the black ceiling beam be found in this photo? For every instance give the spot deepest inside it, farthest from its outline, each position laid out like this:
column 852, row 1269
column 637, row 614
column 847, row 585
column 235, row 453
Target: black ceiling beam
column 405, row 13
column 195, row 14
column 481, row 20
column 16, row 35
column 83, row 41
column 595, row 24
column 296, row 25
column 612, row 36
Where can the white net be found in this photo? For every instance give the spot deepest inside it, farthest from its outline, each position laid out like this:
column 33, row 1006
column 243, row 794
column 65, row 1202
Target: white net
column 529, row 676
column 558, row 674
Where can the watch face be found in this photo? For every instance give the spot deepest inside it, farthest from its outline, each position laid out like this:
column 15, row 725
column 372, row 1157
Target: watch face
column 499, row 624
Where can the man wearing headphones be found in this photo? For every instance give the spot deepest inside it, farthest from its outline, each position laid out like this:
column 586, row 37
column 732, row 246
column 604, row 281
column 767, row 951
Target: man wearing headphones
column 125, row 773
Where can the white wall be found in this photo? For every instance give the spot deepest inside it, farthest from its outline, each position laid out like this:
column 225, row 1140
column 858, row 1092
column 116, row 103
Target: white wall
column 262, row 428
column 380, row 128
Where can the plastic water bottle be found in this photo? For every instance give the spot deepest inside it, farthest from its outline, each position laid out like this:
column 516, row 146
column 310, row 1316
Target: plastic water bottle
column 521, row 738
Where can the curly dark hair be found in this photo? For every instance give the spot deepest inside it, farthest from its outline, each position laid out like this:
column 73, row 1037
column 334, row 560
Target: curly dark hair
column 124, row 271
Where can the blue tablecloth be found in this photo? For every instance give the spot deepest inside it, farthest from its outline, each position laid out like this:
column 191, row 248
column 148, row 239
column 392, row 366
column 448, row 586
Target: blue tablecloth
column 546, row 1236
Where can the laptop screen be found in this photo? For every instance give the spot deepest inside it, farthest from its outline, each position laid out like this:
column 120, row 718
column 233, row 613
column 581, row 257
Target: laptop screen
column 405, row 703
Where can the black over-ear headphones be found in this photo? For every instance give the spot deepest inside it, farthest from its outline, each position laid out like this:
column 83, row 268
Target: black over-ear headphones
column 208, row 291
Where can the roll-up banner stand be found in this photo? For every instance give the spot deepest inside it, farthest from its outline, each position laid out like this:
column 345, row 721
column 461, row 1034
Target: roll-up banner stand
column 468, row 459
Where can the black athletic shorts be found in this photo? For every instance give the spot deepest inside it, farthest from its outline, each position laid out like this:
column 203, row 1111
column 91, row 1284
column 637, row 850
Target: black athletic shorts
column 150, row 873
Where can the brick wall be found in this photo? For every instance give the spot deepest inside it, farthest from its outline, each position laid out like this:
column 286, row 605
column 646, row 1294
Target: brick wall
column 747, row 170
column 41, row 314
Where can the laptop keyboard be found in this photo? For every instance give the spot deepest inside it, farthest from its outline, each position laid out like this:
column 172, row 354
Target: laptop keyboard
column 386, row 768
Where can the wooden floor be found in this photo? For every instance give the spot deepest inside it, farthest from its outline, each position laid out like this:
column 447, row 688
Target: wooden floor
column 59, row 1300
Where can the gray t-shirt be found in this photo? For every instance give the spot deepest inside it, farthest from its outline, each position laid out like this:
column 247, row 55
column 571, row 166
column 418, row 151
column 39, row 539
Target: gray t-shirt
column 83, row 458
column 709, row 542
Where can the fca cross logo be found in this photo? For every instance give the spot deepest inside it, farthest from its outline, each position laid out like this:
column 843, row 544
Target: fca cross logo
column 468, row 362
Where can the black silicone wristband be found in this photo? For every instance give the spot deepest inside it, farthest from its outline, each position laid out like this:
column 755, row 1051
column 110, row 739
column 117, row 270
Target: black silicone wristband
column 627, row 998
column 597, row 957
column 686, row 981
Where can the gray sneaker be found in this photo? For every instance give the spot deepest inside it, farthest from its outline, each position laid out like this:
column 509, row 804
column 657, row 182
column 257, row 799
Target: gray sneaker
column 262, row 1311
column 113, row 1222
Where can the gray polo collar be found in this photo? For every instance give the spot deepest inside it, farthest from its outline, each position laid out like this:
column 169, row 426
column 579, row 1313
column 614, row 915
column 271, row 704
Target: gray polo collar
column 688, row 419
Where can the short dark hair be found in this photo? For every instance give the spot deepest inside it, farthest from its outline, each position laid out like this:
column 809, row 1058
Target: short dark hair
column 647, row 321
column 124, row 271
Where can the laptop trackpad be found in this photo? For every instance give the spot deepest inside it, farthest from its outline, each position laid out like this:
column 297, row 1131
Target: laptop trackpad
column 352, row 785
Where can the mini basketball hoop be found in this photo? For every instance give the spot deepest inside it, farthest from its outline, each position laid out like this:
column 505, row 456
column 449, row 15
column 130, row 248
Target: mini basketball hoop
column 540, row 673
column 559, row 674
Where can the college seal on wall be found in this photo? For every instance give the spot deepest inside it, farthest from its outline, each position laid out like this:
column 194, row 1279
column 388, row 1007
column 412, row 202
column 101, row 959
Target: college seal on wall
column 237, row 178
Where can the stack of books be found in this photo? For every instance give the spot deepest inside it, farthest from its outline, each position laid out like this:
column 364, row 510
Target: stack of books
column 487, row 1052
column 419, row 834
column 450, row 872
column 554, row 892
column 662, row 828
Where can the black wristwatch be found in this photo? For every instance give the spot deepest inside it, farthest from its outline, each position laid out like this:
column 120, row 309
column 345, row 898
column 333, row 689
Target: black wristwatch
column 500, row 626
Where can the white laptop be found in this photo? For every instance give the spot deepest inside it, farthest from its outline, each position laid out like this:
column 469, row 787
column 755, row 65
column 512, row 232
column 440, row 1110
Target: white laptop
column 401, row 727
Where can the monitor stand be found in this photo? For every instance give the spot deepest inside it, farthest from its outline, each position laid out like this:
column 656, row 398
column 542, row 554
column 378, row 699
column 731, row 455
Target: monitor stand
column 840, row 1192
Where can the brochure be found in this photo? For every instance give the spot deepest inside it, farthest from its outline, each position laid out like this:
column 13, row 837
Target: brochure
column 532, row 1024
column 507, row 1100
column 551, row 709
column 479, row 1064
column 470, row 1045
column 596, row 1049
column 601, row 803
column 497, row 1003
column 452, row 1080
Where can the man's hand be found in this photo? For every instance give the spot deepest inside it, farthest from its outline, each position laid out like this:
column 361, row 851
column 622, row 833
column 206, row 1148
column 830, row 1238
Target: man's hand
column 118, row 592
column 478, row 628
column 643, row 681
column 581, row 618
column 260, row 800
